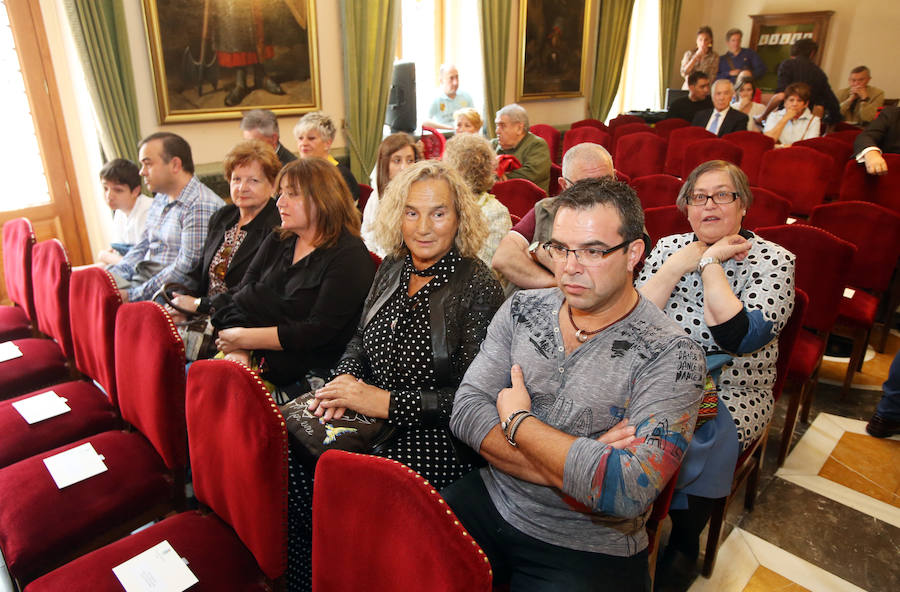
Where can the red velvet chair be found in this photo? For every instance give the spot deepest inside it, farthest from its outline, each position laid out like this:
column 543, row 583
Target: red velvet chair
column 768, row 209
column 627, row 129
column 518, row 195
column 846, row 136
column 666, row 126
column 754, row 145
column 749, row 464
column 839, row 152
column 798, row 174
column 696, row 153
column 579, row 135
column 821, row 270
column 623, row 119
column 590, row 123
column 550, row 135
column 434, row 142
column 858, row 185
column 555, row 176
column 364, row 192
column 428, row 550
column 665, row 221
column 656, row 191
column 658, row 513
column 18, row 240
column 94, row 303
column 48, row 526
column 43, row 361
column 876, row 233
column 640, row 154
column 239, row 457
column 620, row 176
column 678, row 141
column 843, row 126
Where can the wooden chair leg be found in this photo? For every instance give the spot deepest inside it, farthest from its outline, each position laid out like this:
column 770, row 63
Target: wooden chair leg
column 809, row 392
column 753, row 477
column 716, row 520
column 790, row 421
column 857, row 355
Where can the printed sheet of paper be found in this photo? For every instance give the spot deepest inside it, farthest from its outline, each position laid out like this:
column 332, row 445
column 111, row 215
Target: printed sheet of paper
column 849, row 292
column 9, row 351
column 42, row 406
column 158, row 569
column 74, row 465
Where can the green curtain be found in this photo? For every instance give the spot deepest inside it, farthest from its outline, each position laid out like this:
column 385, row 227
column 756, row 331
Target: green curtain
column 612, row 38
column 98, row 27
column 370, row 33
column 495, row 17
column 669, row 14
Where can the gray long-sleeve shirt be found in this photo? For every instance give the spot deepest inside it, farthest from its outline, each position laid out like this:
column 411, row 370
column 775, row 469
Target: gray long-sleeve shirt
column 643, row 367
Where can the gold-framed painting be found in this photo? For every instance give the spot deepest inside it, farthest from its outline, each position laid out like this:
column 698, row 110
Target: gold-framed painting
column 215, row 59
column 553, row 38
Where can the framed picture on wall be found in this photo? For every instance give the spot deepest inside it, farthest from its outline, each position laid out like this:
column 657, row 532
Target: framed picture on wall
column 215, row 59
column 773, row 34
column 552, row 48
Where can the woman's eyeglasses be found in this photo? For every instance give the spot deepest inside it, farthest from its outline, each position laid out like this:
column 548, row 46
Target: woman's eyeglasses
column 720, row 197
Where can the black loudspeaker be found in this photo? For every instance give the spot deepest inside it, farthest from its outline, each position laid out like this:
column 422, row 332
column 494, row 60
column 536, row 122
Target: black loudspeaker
column 401, row 110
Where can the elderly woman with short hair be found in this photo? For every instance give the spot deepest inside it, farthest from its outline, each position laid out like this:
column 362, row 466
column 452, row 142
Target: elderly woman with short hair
column 315, row 133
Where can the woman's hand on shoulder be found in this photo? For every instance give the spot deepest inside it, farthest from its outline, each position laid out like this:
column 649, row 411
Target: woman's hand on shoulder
column 687, row 257
column 733, row 246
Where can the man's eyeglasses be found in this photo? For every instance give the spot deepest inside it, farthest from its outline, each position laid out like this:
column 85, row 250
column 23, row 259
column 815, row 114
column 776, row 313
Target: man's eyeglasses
column 720, row 197
column 589, row 257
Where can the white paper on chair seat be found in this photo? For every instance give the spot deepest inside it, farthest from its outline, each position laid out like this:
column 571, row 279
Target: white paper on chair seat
column 9, row 351
column 74, row 465
column 158, row 569
column 849, row 292
column 41, row 407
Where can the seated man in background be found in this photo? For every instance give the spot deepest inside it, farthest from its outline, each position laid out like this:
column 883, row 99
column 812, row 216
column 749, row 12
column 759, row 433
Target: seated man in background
column 121, row 182
column 519, row 257
column 739, row 59
column 583, row 399
column 860, row 102
column 451, row 100
column 177, row 221
column 882, row 135
column 261, row 124
column 514, row 137
column 795, row 122
column 721, row 119
column 697, row 100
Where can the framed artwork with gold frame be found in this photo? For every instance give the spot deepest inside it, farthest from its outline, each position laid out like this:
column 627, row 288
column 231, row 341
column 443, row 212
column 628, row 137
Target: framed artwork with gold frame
column 553, row 38
column 773, row 34
column 215, row 59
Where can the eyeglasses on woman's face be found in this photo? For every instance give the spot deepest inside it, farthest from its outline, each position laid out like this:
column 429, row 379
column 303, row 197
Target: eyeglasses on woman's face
column 719, row 197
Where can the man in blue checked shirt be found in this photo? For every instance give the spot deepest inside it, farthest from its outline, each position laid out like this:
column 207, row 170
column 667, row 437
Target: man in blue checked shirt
column 173, row 237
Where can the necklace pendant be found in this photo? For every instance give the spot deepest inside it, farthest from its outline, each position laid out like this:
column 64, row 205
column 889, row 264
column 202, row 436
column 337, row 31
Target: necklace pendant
column 580, row 336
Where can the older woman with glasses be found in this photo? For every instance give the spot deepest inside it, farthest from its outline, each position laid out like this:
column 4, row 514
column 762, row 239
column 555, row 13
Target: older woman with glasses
column 732, row 292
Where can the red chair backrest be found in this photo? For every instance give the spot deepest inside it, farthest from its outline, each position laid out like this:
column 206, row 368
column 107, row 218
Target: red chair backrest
column 656, row 191
column 376, row 259
column 623, row 119
column 821, row 268
column 843, row 126
column 555, row 175
column 701, row 151
column 620, row 176
column 798, row 174
column 150, row 376
column 518, row 195
column 585, row 134
column 590, row 123
column 52, row 272
column 627, row 129
column 640, row 154
column 379, row 500
column 434, row 142
column 840, row 153
column 18, row 241
column 768, row 209
column 550, row 135
column 873, row 229
column 786, row 340
column 678, row 141
column 846, row 136
column 364, row 192
column 94, row 301
column 858, row 185
column 664, row 128
column 754, row 145
column 239, row 457
column 665, row 221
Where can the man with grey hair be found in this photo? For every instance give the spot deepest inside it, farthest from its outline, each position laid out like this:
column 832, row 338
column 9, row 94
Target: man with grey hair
column 860, row 101
column 519, row 257
column 721, row 119
column 451, row 99
column 261, row 124
column 514, row 137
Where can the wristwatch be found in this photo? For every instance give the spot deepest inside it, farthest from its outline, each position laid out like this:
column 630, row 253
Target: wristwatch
column 196, row 303
column 706, row 261
column 532, row 250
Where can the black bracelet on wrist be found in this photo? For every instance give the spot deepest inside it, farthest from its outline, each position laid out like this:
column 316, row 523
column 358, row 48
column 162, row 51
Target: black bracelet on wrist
column 514, row 427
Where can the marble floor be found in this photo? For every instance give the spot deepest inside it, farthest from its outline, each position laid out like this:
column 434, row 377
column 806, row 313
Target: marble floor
column 829, row 519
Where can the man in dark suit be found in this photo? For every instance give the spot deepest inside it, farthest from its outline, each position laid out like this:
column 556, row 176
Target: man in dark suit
column 882, row 135
column 721, row 119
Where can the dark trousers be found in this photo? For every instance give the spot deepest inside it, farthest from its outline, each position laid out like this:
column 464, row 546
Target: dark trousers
column 528, row 564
